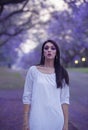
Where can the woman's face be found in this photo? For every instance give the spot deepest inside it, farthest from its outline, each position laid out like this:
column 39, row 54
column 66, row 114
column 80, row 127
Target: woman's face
column 49, row 51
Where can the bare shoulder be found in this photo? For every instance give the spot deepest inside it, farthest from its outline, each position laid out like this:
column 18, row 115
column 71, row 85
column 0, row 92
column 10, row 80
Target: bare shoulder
column 45, row 69
column 40, row 67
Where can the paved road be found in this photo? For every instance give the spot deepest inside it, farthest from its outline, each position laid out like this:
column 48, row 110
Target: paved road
column 79, row 99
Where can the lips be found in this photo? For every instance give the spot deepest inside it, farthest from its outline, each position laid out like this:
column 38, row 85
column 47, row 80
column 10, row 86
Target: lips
column 49, row 54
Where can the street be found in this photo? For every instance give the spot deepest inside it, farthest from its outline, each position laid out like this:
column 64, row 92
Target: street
column 78, row 110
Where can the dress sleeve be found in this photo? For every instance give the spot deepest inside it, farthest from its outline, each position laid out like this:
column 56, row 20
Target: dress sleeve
column 27, row 94
column 64, row 95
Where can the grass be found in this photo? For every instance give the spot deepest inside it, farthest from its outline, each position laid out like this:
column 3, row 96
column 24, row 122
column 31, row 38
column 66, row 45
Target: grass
column 10, row 79
column 83, row 70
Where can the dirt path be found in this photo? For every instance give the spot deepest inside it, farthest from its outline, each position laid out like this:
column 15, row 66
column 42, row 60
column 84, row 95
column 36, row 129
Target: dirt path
column 79, row 99
column 11, row 110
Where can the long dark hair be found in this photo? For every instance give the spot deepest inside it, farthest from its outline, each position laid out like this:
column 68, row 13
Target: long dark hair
column 60, row 71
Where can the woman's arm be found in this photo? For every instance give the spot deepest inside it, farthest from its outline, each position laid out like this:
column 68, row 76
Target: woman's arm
column 65, row 112
column 64, row 98
column 26, row 116
column 27, row 95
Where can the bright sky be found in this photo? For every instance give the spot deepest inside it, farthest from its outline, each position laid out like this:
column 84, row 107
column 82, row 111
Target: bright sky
column 59, row 4
column 28, row 46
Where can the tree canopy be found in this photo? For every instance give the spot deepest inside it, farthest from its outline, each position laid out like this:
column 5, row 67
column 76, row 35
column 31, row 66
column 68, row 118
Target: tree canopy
column 37, row 20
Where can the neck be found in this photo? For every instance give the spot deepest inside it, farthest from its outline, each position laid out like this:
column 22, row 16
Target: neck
column 49, row 63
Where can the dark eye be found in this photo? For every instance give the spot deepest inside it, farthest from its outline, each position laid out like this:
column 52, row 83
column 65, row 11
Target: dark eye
column 53, row 48
column 46, row 47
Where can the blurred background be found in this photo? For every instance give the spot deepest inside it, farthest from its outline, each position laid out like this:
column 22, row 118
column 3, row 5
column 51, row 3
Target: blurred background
column 24, row 26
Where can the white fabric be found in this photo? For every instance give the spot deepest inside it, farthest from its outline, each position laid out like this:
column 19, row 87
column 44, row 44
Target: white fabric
column 45, row 98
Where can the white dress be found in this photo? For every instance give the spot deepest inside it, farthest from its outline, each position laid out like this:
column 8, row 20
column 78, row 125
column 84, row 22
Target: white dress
column 41, row 92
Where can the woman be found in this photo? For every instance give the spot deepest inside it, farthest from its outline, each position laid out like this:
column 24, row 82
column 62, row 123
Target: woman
column 46, row 92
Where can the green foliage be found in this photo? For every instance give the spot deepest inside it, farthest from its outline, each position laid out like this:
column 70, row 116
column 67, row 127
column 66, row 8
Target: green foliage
column 83, row 70
column 10, row 79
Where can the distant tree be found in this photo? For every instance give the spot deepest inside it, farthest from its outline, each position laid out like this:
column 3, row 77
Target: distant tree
column 18, row 21
column 70, row 30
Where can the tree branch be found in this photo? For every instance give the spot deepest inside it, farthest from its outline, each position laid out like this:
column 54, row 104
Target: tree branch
column 13, row 13
column 5, row 2
column 4, row 42
column 1, row 8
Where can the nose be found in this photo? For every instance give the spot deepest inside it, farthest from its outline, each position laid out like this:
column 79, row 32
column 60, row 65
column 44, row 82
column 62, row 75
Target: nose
column 49, row 49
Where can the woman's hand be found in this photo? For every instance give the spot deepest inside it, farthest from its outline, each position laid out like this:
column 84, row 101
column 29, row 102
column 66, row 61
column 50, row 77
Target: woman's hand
column 25, row 127
column 65, row 127
column 25, row 122
column 26, row 117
